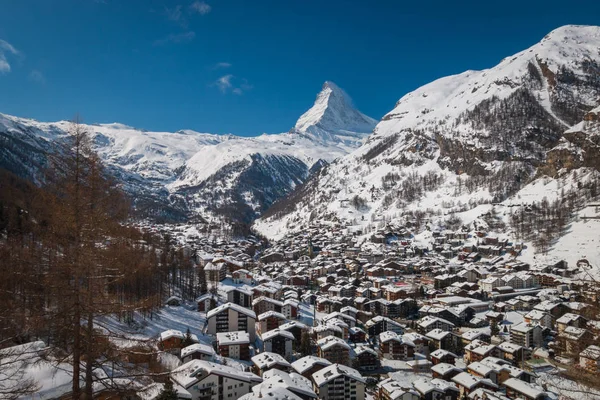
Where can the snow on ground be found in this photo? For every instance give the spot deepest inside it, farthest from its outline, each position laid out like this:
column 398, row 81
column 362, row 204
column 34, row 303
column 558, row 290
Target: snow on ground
column 27, row 363
column 565, row 388
column 581, row 241
column 306, row 314
column 169, row 317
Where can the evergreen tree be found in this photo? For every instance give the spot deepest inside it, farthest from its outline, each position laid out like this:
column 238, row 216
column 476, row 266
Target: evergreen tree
column 168, row 392
column 188, row 339
column 305, row 343
column 494, row 328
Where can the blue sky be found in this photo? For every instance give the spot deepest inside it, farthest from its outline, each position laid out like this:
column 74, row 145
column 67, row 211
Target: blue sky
column 247, row 67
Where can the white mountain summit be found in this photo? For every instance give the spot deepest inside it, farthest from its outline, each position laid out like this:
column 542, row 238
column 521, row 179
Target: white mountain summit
column 333, row 117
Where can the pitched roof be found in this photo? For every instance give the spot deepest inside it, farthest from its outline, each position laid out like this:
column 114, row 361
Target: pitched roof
column 333, row 371
column 232, row 306
column 307, row 362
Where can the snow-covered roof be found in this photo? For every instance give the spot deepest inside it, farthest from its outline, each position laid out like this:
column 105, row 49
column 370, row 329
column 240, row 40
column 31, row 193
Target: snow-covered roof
column 437, row 334
column 268, row 360
column 523, row 387
column 277, row 332
column 194, row 371
column 331, row 341
column 469, row 381
column 292, row 381
column 425, row 385
column 270, row 314
column 197, row 348
column 170, row 333
column 307, row 362
column 334, row 371
column 229, row 338
column 232, row 306
column 444, row 368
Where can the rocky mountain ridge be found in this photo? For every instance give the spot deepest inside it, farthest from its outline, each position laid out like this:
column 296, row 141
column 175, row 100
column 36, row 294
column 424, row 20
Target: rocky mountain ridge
column 175, row 175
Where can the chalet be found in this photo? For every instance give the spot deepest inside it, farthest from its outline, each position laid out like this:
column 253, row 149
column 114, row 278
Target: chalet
column 468, row 336
column 197, row 351
column 571, row 341
column 366, row 359
column 393, row 347
column 556, row 310
column 308, row 365
column 357, row 335
column 351, row 321
column 231, row 317
column 537, row 317
column 518, row 389
column 483, row 371
column 241, row 296
column 445, row 371
column 266, row 361
column 290, row 308
column 570, row 319
column 283, row 385
column 477, row 351
column 263, row 304
column 589, row 359
column 390, row 389
column 172, row 340
column 468, row 383
column 322, row 331
column 215, row 272
column 434, row 389
column 526, row 335
column 334, row 349
column 421, row 342
column 278, row 341
column 295, row 328
column 206, row 380
column 440, row 339
column 234, row 345
column 514, row 353
column 427, row 324
column 443, row 356
column 270, row 320
column 339, row 382
column 242, row 276
column 205, row 302
column 272, row 257
column 380, row 324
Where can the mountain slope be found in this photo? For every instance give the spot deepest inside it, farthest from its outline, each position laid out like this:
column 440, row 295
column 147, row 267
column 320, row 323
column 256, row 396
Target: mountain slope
column 456, row 146
column 242, row 178
column 175, row 174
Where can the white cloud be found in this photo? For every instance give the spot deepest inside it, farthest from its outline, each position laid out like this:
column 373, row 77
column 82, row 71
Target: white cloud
column 6, row 48
column 180, row 15
column 176, row 38
column 226, row 84
column 220, row 65
column 200, row 7
column 37, row 76
column 175, row 14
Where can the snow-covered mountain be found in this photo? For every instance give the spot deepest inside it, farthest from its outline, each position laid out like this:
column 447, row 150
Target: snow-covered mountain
column 173, row 174
column 333, row 118
column 454, row 148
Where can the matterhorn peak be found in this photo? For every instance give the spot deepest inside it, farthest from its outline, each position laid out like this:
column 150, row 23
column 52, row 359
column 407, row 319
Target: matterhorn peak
column 334, row 112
